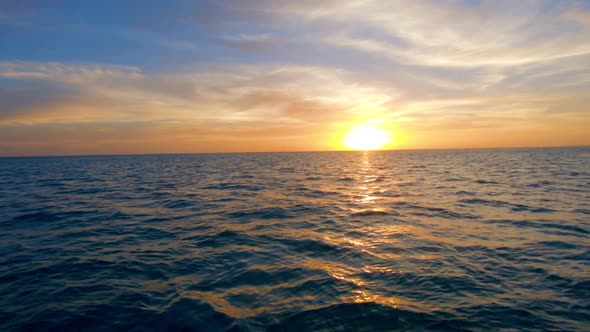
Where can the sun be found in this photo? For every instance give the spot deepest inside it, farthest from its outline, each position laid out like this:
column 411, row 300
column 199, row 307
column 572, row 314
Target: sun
column 366, row 137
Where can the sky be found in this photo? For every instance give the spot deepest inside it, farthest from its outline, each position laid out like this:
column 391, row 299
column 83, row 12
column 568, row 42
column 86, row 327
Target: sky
column 137, row 77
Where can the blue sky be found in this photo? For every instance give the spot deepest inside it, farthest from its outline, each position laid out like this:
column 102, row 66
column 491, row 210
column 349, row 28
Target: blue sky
column 84, row 77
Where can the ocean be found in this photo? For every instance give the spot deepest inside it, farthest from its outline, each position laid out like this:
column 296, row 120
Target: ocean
column 474, row 240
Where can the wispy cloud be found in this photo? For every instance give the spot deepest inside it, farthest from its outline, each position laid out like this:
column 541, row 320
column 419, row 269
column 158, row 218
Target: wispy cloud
column 579, row 16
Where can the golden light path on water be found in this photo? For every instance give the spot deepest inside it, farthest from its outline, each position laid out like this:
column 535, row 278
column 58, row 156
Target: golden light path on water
column 368, row 204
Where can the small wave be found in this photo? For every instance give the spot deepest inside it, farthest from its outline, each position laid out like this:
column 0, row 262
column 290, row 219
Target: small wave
column 118, row 215
column 455, row 179
column 233, row 186
column 307, row 192
column 355, row 317
column 513, row 207
column 159, row 195
column 225, row 237
column 183, row 315
column 557, row 244
column 374, row 212
column 495, row 316
column 152, row 233
column 40, row 217
column 86, row 191
column 419, row 210
column 485, row 182
column 464, row 193
column 539, row 184
column 487, row 202
column 346, row 179
column 520, row 207
column 544, row 225
column 251, row 277
column 264, row 213
column 179, row 204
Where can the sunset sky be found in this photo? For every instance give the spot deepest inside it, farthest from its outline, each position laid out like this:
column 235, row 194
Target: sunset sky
column 127, row 77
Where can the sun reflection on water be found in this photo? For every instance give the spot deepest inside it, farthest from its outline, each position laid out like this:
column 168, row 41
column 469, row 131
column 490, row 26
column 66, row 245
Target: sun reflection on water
column 365, row 296
column 372, row 237
column 365, row 173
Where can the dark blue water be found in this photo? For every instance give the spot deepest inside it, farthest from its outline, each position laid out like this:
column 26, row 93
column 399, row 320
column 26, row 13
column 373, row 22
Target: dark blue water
column 413, row 240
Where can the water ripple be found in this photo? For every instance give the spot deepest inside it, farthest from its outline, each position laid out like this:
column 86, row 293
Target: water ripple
column 414, row 240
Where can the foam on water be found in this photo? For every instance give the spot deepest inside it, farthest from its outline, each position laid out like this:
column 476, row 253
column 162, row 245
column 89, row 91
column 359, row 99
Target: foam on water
column 462, row 240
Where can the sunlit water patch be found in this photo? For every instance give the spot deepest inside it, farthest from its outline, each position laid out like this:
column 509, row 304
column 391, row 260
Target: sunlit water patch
column 413, row 240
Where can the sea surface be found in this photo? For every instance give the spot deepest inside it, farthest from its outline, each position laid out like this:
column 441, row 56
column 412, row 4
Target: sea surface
column 476, row 240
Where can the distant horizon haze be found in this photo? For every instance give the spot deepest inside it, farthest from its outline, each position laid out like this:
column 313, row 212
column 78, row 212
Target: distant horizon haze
column 301, row 151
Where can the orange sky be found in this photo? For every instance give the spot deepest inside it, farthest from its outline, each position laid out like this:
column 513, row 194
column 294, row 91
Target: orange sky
column 293, row 76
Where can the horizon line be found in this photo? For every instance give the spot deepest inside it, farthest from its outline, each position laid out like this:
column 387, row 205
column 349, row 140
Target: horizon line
column 299, row 151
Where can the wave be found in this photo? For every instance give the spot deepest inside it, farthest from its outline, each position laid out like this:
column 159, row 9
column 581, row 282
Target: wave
column 469, row 240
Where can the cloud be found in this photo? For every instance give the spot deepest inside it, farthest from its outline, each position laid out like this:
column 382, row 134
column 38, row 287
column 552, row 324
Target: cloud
column 251, row 105
column 249, row 42
column 285, row 74
column 226, row 94
column 579, row 16
column 430, row 33
column 450, row 35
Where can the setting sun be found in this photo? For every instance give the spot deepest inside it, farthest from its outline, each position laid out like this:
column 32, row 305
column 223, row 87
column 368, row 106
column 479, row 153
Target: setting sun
column 366, row 137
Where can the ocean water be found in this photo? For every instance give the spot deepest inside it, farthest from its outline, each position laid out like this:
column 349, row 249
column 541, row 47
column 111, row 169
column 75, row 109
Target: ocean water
column 338, row 241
